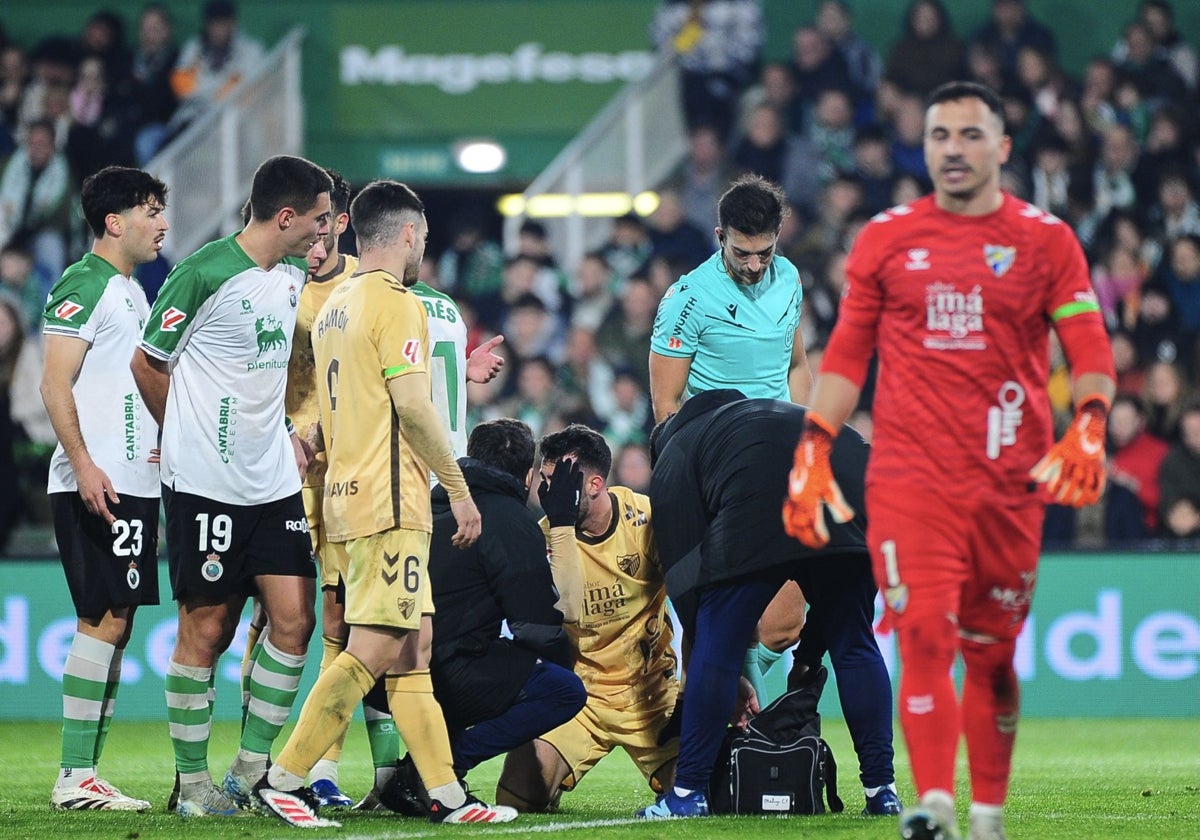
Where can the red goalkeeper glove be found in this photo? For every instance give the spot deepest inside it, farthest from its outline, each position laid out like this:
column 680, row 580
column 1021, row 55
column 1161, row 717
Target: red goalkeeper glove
column 811, row 486
column 1073, row 469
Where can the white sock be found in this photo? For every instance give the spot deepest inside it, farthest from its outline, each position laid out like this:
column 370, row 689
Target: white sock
column 681, row 792
column 450, row 794
column 324, row 769
column 281, row 779
column 871, row 791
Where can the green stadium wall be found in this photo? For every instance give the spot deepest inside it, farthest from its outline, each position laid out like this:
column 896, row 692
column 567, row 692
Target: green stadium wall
column 1110, row 635
column 562, row 59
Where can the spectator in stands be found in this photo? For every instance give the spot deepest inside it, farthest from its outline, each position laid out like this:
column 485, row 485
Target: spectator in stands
column 519, row 280
column 536, row 401
column 154, row 61
column 873, row 167
column 1118, row 279
column 1012, row 27
column 624, row 336
column 1181, row 273
column 1050, row 175
column 12, row 336
column 983, row 65
column 928, row 53
column 1044, row 81
column 591, row 291
column 1164, row 394
column 103, row 37
column 718, row 42
column 102, row 122
column 14, row 75
column 631, row 467
column 630, row 419
column 1135, row 456
column 673, row 237
column 704, row 174
column 530, row 330
column 212, row 63
column 19, row 280
column 628, row 247
column 585, row 378
column 53, row 63
column 1176, row 213
column 1179, row 478
column 817, row 67
column 776, row 87
column 1156, row 328
column 534, row 242
column 908, row 138
column 793, row 161
column 832, row 133
column 834, row 21
column 35, row 207
column 1112, row 179
column 1159, row 18
column 473, row 265
column 1130, row 378
column 1142, row 64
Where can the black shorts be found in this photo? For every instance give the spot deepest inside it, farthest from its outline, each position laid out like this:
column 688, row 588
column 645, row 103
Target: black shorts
column 108, row 567
column 215, row 550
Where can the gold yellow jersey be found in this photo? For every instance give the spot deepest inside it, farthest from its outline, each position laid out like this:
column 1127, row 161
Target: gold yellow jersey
column 372, row 329
column 624, row 633
column 300, row 400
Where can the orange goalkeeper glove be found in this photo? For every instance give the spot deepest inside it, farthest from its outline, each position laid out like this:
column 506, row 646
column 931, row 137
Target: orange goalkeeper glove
column 1073, row 469
column 811, row 486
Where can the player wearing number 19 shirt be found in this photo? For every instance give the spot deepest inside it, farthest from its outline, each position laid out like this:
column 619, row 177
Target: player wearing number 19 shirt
column 213, row 364
column 103, row 485
column 958, row 292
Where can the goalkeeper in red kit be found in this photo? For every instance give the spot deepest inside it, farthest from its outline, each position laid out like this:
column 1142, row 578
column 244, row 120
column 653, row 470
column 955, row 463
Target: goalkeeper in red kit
column 957, row 292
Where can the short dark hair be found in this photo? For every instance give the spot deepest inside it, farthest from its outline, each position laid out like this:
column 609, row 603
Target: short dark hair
column 115, row 189
column 753, row 205
column 286, row 181
column 339, row 196
column 588, row 446
column 505, row 444
column 954, row 91
column 380, row 209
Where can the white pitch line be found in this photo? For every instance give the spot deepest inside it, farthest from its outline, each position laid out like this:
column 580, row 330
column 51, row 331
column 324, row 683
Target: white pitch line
column 484, row 828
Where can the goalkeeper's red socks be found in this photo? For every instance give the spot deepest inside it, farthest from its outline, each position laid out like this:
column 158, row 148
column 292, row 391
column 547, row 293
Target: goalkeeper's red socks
column 990, row 703
column 928, row 706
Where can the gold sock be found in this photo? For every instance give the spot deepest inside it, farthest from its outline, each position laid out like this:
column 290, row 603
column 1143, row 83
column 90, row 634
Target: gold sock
column 419, row 720
column 332, row 648
column 326, row 713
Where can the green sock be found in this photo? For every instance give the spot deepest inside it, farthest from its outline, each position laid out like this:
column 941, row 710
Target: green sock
column 382, row 736
column 274, row 680
column 774, row 666
column 84, row 686
column 751, row 672
column 189, row 718
column 110, row 701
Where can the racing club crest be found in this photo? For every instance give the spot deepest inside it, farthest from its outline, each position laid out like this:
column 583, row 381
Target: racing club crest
column 999, row 258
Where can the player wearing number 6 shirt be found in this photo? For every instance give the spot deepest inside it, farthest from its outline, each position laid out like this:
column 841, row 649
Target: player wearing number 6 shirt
column 213, row 365
column 103, row 484
column 382, row 435
column 958, row 292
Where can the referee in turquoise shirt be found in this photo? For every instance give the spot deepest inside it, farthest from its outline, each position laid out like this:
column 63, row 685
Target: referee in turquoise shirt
column 734, row 321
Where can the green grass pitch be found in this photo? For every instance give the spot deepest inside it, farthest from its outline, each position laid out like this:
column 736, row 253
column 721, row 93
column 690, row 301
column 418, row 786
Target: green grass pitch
column 1073, row 780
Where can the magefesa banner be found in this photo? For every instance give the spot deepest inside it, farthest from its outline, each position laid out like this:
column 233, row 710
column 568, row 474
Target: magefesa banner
column 460, row 68
column 1112, row 635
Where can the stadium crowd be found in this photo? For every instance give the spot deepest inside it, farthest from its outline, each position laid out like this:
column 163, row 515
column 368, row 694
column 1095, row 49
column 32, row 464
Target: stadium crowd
column 1115, row 152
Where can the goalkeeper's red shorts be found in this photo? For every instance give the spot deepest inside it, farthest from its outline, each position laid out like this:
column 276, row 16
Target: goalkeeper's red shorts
column 972, row 559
